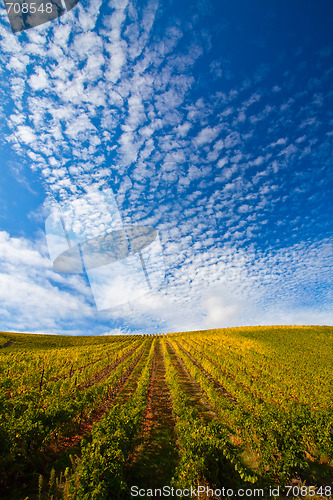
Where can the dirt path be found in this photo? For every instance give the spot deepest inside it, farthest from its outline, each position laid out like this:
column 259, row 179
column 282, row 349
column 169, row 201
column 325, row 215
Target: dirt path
column 217, row 385
column 153, row 461
column 191, row 387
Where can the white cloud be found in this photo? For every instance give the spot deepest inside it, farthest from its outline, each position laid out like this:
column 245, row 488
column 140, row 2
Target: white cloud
column 25, row 134
column 39, row 80
column 30, row 292
column 221, row 311
column 207, row 135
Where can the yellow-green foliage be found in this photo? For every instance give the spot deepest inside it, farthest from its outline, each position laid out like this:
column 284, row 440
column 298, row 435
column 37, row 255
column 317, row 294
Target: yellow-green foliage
column 268, row 390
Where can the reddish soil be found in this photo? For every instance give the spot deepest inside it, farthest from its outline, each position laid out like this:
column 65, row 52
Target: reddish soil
column 219, row 387
column 155, row 456
column 192, row 389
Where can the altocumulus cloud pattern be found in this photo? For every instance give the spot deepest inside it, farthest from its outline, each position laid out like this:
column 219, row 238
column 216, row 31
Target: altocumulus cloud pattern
column 212, row 125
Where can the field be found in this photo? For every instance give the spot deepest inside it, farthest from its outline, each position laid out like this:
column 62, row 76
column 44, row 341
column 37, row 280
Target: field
column 116, row 417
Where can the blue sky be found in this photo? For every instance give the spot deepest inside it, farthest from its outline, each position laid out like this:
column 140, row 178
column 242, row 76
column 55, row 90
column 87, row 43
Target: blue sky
column 211, row 121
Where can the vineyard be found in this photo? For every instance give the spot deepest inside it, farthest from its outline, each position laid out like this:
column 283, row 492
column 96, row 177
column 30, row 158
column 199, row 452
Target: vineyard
column 118, row 417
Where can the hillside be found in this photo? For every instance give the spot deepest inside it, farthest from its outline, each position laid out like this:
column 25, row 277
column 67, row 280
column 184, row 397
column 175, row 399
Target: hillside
column 98, row 417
